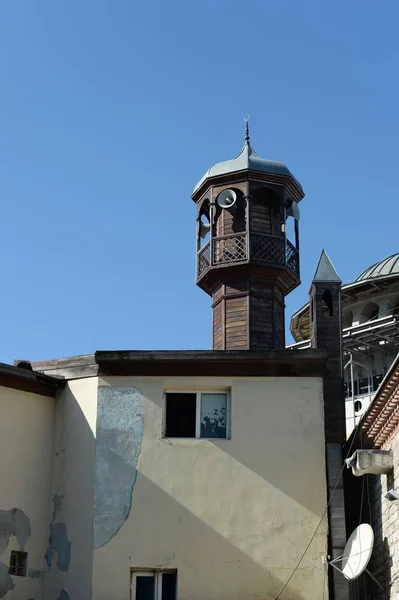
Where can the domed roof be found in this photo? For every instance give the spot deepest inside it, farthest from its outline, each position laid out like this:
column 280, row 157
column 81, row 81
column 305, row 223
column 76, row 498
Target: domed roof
column 384, row 268
column 246, row 160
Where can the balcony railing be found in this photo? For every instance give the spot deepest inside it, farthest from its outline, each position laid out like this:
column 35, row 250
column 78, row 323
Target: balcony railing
column 233, row 248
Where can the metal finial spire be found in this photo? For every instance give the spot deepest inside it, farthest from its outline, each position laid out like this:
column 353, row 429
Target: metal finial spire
column 246, row 130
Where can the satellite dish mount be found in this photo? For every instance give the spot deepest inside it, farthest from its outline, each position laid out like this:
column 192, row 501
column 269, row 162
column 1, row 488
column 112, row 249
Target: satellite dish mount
column 357, row 554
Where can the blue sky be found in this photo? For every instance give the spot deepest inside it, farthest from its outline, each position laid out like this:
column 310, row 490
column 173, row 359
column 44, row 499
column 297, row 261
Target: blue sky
column 112, row 110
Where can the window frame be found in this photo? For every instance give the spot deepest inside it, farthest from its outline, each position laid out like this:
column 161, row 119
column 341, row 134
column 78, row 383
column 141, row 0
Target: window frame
column 198, row 394
column 156, row 574
column 18, row 563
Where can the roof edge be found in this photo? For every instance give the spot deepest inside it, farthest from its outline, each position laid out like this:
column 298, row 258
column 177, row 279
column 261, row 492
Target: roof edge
column 26, row 380
column 228, row 363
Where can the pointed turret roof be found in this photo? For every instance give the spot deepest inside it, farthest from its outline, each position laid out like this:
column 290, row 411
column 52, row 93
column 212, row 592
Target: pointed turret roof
column 325, row 270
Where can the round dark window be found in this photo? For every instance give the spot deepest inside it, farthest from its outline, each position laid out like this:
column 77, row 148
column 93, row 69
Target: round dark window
column 358, row 406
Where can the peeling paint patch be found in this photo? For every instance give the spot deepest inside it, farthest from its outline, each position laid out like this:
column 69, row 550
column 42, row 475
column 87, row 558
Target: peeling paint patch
column 120, row 424
column 13, row 522
column 6, row 582
column 63, row 595
column 60, row 544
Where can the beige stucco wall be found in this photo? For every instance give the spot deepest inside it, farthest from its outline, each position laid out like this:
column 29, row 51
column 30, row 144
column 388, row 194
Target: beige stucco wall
column 71, row 507
column 26, row 425
column 233, row 516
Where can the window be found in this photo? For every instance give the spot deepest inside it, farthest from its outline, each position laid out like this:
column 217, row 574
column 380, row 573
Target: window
column 196, row 414
column 18, row 563
column 358, row 406
column 154, row 585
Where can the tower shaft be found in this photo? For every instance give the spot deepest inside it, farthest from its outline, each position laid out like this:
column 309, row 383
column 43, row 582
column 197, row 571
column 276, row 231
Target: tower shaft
column 248, row 314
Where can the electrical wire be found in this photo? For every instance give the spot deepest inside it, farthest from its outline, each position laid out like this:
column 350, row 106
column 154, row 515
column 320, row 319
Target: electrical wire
column 322, row 517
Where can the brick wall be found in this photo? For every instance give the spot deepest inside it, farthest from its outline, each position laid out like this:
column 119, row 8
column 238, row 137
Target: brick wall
column 385, row 522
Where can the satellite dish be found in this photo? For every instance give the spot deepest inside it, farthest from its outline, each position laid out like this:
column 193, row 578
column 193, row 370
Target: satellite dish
column 357, row 554
column 293, row 210
column 227, row 199
column 204, row 229
column 358, row 551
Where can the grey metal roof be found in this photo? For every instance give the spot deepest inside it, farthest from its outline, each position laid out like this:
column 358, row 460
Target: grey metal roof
column 384, row 268
column 246, row 160
column 325, row 270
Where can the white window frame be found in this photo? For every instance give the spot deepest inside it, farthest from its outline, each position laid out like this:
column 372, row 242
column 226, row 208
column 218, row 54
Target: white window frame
column 198, row 394
column 156, row 574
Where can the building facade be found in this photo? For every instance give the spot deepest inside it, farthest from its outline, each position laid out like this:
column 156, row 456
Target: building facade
column 373, row 487
column 370, row 334
column 192, row 474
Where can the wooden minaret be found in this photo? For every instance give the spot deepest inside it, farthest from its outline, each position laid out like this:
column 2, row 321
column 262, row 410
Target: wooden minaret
column 244, row 259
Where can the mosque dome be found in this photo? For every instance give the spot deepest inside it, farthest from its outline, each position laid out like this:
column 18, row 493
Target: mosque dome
column 384, row 268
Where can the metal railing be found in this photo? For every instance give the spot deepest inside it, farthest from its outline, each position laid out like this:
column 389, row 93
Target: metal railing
column 233, row 248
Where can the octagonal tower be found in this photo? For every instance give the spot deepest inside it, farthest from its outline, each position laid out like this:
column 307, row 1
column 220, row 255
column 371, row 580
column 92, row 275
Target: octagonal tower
column 244, row 259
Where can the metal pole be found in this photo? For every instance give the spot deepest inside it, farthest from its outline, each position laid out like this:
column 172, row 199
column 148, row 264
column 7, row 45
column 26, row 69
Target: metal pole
column 247, row 228
column 374, row 579
column 285, row 233
column 353, row 390
column 297, row 235
column 211, row 220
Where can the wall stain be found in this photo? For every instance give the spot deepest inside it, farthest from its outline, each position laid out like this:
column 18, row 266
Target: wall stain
column 36, row 573
column 57, row 504
column 6, row 582
column 63, row 595
column 13, row 522
column 120, row 424
column 58, row 541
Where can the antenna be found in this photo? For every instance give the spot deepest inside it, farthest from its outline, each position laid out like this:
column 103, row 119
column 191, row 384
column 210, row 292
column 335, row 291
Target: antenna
column 357, row 554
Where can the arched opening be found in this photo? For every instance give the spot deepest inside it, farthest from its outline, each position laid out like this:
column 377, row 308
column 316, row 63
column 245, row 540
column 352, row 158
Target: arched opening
column 391, row 307
column 358, row 406
column 327, row 304
column 231, row 220
column 347, row 319
column 369, row 312
column 265, row 215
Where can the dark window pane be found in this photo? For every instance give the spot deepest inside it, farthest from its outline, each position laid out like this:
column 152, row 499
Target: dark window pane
column 169, row 586
column 144, row 588
column 180, row 415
